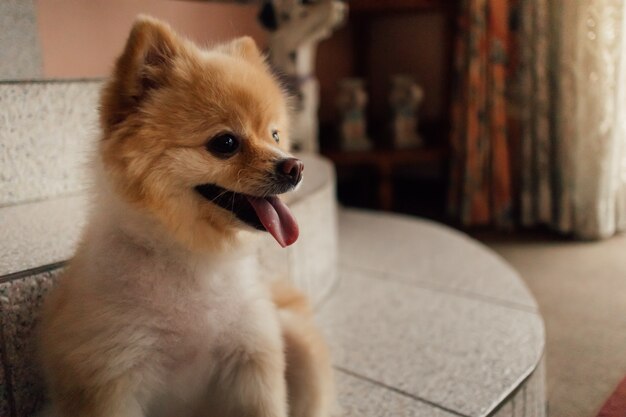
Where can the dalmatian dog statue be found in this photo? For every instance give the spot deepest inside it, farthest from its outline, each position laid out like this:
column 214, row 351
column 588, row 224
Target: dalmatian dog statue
column 296, row 27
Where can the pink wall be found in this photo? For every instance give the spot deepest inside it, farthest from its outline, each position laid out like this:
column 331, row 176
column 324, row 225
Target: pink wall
column 81, row 38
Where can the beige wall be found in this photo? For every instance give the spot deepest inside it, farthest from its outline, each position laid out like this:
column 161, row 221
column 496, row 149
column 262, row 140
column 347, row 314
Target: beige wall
column 81, row 38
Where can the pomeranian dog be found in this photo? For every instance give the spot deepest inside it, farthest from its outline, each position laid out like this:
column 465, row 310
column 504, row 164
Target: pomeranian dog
column 161, row 312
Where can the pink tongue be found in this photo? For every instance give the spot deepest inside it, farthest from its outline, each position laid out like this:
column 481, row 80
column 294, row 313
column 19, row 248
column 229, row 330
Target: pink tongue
column 276, row 218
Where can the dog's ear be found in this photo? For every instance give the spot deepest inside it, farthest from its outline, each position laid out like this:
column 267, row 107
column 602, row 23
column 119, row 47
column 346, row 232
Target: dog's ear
column 145, row 65
column 244, row 47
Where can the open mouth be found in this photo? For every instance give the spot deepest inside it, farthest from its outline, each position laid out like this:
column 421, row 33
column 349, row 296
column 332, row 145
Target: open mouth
column 263, row 213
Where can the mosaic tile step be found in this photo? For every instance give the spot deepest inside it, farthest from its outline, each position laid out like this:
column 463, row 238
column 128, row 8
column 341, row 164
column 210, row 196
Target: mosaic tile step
column 416, row 311
column 20, row 50
column 47, row 131
column 428, row 254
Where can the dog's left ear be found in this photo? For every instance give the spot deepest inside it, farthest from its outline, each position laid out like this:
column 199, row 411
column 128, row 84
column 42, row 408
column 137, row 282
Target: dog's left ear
column 244, row 47
column 145, row 64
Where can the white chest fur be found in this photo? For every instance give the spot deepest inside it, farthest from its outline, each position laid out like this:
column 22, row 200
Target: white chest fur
column 195, row 316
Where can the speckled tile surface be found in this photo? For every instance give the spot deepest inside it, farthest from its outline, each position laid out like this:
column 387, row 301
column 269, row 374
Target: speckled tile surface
column 40, row 233
column 4, row 390
column 46, row 132
column 427, row 254
column 20, row 51
column 360, row 398
column 20, row 301
column 455, row 351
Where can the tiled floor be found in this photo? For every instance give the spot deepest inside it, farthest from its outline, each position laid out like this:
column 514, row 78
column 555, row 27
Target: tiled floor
column 457, row 352
column 426, row 254
column 359, row 398
column 418, row 313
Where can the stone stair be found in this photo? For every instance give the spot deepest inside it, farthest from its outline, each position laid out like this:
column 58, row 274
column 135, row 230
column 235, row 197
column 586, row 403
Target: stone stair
column 422, row 320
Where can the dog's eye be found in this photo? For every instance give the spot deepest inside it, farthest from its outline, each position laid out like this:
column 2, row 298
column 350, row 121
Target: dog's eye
column 223, row 146
column 275, row 136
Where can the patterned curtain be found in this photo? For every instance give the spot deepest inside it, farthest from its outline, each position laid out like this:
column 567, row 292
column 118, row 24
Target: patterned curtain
column 531, row 102
column 481, row 171
column 565, row 116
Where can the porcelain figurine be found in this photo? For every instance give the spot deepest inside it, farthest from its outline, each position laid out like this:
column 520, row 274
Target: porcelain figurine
column 351, row 103
column 405, row 99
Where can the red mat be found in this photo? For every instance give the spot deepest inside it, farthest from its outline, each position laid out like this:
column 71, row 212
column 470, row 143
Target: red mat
column 615, row 406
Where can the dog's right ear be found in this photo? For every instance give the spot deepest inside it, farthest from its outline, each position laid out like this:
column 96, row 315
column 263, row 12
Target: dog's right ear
column 145, row 65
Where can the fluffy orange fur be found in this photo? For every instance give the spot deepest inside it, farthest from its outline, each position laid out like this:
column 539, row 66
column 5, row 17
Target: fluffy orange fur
column 165, row 99
column 160, row 312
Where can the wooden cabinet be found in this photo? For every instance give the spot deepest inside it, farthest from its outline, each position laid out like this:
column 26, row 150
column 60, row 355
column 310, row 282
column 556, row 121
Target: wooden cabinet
column 403, row 36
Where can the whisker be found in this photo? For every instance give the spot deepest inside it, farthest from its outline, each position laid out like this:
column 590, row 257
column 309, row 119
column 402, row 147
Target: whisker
column 218, row 196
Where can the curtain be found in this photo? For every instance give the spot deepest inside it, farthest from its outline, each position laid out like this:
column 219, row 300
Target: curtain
column 565, row 119
column 590, row 116
column 481, row 172
column 531, row 101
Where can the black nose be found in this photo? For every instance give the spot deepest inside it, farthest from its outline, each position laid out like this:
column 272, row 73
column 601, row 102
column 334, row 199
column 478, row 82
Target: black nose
column 291, row 170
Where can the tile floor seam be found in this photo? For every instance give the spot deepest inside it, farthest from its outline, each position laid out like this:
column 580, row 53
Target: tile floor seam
column 52, row 81
column 12, row 276
column 444, row 289
column 71, row 194
column 399, row 391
